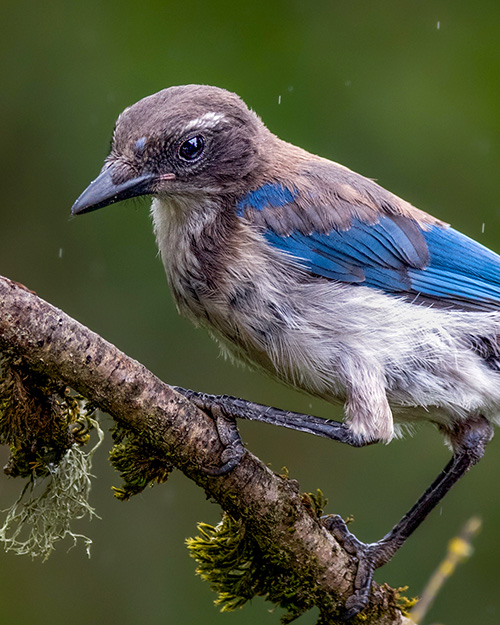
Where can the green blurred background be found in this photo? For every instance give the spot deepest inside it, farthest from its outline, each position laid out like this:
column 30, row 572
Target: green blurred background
column 404, row 92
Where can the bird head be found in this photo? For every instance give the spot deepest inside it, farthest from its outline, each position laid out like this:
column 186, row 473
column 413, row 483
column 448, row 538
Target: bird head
column 182, row 140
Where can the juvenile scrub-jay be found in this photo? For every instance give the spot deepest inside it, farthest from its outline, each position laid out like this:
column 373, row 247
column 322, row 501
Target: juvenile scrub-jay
column 320, row 277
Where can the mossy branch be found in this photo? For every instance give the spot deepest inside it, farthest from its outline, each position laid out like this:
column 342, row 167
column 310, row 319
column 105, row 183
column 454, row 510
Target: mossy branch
column 282, row 524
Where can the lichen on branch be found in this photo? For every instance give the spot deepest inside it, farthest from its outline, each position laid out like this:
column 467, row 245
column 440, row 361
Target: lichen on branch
column 238, row 569
column 46, row 427
column 139, row 463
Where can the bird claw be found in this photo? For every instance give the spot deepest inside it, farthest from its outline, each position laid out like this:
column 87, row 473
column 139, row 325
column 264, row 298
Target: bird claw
column 229, row 436
column 230, row 457
column 368, row 558
column 227, row 429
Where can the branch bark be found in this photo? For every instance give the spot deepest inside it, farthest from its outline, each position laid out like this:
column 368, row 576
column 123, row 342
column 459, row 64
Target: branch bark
column 270, row 506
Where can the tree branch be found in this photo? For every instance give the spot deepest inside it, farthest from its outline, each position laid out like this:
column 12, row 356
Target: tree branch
column 270, row 506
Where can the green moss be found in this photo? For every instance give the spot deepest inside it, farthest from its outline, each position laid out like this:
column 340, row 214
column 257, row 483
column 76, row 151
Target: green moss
column 403, row 603
column 315, row 503
column 40, row 420
column 237, row 569
column 46, row 427
column 138, row 463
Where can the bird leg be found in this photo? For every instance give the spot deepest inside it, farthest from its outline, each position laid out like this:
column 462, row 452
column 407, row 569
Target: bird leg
column 469, row 439
column 234, row 408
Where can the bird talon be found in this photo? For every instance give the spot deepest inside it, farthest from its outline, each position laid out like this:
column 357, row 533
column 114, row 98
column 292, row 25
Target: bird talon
column 229, row 436
column 225, row 468
column 358, row 601
column 336, row 525
column 363, row 556
column 353, row 611
column 352, row 603
column 225, row 423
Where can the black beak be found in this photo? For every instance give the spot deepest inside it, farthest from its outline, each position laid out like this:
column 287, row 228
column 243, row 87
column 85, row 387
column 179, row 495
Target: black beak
column 103, row 191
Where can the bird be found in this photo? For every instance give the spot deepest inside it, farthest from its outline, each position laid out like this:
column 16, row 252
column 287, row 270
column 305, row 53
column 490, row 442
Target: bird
column 320, row 277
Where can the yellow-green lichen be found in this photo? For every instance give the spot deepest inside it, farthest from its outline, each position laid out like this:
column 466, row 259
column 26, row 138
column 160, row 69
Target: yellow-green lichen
column 315, row 502
column 237, row 569
column 405, row 604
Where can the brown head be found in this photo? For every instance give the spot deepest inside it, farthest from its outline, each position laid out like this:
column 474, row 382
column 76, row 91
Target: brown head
column 180, row 140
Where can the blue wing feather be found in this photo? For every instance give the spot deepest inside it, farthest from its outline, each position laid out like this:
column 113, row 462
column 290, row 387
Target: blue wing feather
column 394, row 254
column 299, row 247
column 459, row 269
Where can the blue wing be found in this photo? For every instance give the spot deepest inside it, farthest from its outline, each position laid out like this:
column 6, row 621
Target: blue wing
column 435, row 264
column 451, row 267
column 460, row 269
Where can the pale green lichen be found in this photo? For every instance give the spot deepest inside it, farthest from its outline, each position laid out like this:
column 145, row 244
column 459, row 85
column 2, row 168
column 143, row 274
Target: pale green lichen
column 45, row 426
column 44, row 512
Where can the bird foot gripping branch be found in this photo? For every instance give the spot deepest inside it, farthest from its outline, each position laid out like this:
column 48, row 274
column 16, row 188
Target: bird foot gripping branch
column 317, row 275
column 366, row 556
column 469, row 441
column 227, row 430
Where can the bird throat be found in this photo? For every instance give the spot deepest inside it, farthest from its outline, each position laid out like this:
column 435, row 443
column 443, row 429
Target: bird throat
column 194, row 237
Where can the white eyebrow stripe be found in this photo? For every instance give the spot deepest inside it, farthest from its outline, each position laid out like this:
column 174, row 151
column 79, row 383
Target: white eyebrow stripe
column 207, row 120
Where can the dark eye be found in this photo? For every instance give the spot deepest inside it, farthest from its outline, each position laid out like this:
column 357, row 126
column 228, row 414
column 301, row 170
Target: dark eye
column 192, row 148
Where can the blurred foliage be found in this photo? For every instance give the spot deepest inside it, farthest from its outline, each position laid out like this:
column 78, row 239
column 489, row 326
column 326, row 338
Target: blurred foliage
column 404, row 92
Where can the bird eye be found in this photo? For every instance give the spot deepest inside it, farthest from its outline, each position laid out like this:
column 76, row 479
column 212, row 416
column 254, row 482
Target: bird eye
column 192, row 148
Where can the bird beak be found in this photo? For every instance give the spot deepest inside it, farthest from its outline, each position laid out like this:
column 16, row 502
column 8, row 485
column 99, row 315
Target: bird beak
column 103, row 191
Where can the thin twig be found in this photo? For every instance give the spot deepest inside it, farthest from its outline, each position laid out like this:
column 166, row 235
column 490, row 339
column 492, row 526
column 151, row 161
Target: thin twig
column 459, row 549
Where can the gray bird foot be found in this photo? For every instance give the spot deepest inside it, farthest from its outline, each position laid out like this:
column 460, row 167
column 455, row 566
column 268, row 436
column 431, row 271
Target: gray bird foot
column 369, row 557
column 229, row 436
